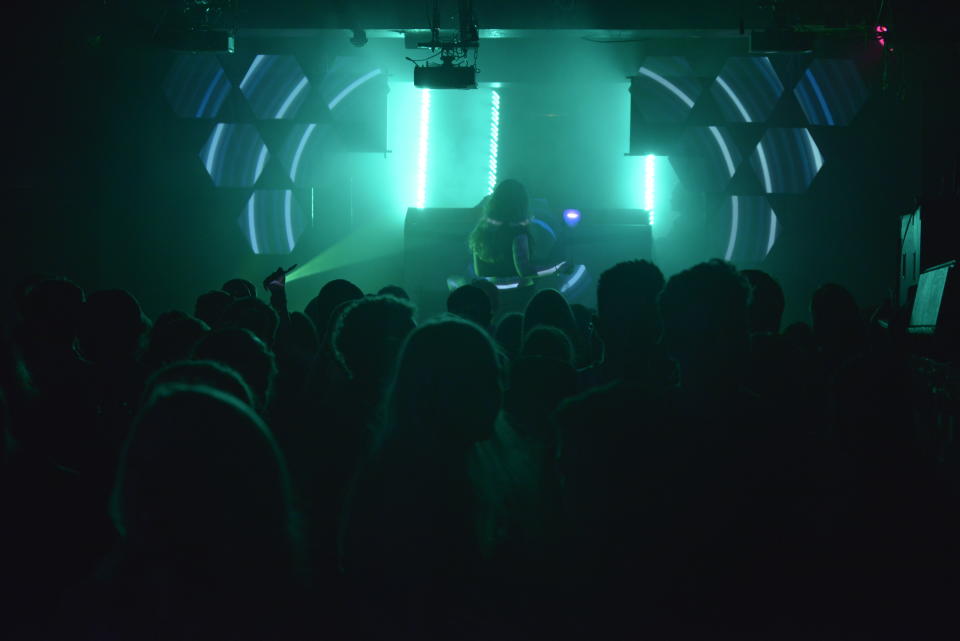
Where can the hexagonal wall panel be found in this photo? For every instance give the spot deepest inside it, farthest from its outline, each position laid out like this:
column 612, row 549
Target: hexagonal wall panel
column 234, row 155
column 786, row 160
column 706, row 158
column 747, row 89
column 196, row 86
column 306, row 153
column 275, row 86
column 664, row 90
column 831, row 92
column 272, row 221
column 753, row 229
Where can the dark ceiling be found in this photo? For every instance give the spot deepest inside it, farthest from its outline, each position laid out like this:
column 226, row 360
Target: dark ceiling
column 508, row 14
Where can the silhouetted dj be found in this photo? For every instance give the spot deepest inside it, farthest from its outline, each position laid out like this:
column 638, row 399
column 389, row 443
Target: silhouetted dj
column 501, row 242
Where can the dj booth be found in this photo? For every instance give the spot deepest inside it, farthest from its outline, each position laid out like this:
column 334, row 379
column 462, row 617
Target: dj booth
column 437, row 257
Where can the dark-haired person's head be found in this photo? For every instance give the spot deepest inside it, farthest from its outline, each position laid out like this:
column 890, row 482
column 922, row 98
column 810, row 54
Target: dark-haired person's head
column 368, row 335
column 509, row 334
column 172, row 338
column 207, row 373
column 836, row 317
column 586, row 319
column 394, row 290
column 331, row 295
column 509, row 203
column 766, row 302
column 210, row 306
column 239, row 288
column 544, row 341
column 492, row 293
column 255, row 315
column 241, row 350
column 628, row 321
column 584, row 316
column 704, row 311
column 51, row 311
column 112, row 327
column 303, row 334
column 549, row 307
column 201, row 485
column 447, row 390
column 472, row 303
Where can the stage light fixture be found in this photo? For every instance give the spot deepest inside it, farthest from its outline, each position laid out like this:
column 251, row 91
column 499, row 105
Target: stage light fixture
column 454, row 71
column 199, row 26
column 359, row 38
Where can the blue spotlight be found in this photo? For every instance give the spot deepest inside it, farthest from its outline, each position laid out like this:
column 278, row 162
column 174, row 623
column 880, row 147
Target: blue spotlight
column 571, row 217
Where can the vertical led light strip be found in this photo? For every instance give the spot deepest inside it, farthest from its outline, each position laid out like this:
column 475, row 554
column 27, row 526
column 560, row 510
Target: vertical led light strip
column 424, row 148
column 494, row 139
column 649, row 184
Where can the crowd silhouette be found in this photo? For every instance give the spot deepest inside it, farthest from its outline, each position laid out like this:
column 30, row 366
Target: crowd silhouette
column 670, row 464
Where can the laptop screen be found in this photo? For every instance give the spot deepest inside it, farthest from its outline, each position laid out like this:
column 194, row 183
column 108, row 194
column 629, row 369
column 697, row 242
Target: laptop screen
column 926, row 305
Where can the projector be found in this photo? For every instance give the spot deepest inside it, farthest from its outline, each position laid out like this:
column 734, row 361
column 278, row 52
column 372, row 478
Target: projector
column 445, row 76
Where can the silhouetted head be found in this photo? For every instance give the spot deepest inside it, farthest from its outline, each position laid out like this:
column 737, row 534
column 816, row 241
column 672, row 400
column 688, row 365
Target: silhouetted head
column 252, row 314
column 509, row 203
column 704, row 312
column 332, row 294
column 836, row 317
column 211, row 306
column 584, row 317
column 173, row 337
column 51, row 311
column 628, row 320
column 239, row 288
column 207, row 373
column 537, row 387
column 203, row 489
column 470, row 302
column 549, row 307
column 447, row 391
column 394, row 290
column 766, row 302
column 112, row 326
column 368, row 336
column 242, row 351
column 492, row 293
column 23, row 286
column 509, row 334
column 548, row 342
column 303, row 334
